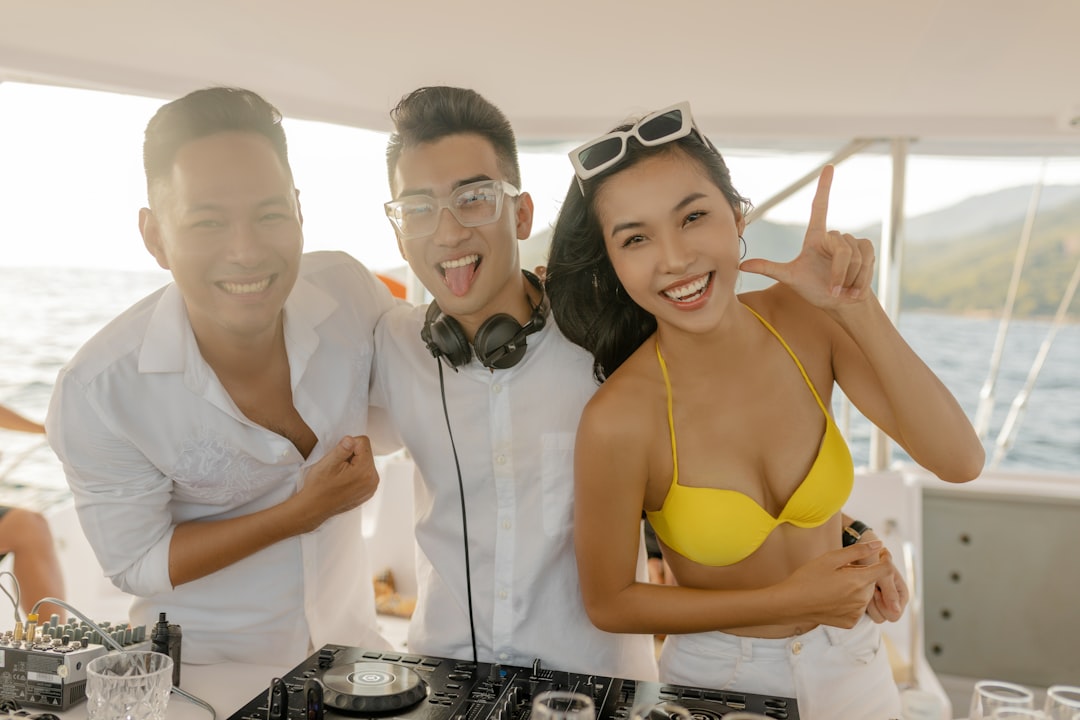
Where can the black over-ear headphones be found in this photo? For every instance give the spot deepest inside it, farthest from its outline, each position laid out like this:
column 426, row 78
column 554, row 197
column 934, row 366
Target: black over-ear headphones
column 499, row 342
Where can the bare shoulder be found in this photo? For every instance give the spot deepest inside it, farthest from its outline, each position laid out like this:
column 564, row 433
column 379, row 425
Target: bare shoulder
column 617, row 414
column 791, row 316
column 809, row 331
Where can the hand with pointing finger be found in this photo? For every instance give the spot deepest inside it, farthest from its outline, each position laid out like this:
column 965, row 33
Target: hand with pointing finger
column 832, row 269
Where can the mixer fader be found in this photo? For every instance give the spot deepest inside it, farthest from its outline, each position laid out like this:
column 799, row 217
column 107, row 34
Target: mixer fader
column 340, row 681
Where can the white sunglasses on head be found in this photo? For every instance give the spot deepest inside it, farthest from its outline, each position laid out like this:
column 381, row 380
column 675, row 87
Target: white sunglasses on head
column 657, row 128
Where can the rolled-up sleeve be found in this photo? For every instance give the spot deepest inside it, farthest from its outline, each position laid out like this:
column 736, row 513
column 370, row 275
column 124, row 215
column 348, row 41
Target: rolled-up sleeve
column 121, row 498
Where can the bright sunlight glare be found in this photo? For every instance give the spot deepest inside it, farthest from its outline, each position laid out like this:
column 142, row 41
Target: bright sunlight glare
column 71, row 181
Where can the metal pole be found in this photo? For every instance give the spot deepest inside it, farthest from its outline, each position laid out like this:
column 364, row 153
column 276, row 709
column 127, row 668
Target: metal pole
column 842, row 154
column 890, row 260
column 986, row 394
column 1016, row 411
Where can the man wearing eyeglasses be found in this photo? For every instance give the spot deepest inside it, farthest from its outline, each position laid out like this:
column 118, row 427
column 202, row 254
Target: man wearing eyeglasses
column 486, row 393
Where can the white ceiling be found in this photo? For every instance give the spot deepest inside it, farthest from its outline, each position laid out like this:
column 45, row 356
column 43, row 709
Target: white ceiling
column 998, row 76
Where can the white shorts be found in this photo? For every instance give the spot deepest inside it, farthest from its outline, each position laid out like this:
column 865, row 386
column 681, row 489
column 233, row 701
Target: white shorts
column 834, row 674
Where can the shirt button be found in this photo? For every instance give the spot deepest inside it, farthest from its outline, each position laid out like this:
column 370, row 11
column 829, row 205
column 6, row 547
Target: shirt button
column 503, row 656
column 507, row 524
column 500, row 459
column 796, row 647
column 502, row 594
column 496, row 388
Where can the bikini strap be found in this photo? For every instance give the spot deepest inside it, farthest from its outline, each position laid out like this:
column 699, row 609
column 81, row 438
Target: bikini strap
column 670, row 416
column 791, row 353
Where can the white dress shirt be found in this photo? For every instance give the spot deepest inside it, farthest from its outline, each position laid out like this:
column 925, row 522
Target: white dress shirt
column 149, row 438
column 514, row 430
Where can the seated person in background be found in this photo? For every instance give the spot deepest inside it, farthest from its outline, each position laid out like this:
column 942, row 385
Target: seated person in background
column 25, row 534
column 11, row 420
column 714, row 417
column 212, row 434
column 492, row 432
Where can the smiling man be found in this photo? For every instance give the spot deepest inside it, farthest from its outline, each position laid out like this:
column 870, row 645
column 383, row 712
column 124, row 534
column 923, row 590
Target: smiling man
column 213, row 433
column 494, row 487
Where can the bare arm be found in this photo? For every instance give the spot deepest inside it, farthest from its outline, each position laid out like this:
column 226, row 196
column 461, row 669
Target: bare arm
column 11, row 420
column 342, row 480
column 895, row 389
column 878, row 371
column 610, row 474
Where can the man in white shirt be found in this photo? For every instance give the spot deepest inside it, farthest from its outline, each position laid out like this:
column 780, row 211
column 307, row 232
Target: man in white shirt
column 511, row 389
column 212, row 434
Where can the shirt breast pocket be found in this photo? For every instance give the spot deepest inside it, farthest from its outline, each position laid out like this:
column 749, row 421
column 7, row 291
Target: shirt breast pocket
column 557, row 462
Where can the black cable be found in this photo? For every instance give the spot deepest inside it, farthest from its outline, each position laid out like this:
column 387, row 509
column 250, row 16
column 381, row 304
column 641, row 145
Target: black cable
column 464, row 518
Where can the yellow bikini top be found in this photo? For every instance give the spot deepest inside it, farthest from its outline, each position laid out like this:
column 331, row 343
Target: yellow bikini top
column 718, row 527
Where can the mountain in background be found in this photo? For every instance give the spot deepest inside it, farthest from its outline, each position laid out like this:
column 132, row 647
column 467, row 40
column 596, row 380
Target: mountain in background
column 979, row 214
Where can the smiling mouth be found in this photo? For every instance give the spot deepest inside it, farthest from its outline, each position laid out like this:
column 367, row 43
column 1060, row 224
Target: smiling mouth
column 689, row 292
column 458, row 274
column 251, row 288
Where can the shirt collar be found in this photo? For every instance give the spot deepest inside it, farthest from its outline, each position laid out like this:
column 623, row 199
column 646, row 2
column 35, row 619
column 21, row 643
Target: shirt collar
column 169, row 343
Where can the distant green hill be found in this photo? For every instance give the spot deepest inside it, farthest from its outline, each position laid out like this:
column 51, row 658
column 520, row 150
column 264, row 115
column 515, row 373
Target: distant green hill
column 970, row 273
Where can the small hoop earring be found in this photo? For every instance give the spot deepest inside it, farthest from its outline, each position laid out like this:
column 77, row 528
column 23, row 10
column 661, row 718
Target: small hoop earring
column 743, row 243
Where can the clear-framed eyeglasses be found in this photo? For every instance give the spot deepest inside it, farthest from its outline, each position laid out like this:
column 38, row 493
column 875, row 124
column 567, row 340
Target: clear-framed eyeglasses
column 474, row 204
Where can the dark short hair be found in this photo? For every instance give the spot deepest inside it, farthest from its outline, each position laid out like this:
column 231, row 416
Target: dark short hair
column 581, row 282
column 429, row 114
column 203, row 113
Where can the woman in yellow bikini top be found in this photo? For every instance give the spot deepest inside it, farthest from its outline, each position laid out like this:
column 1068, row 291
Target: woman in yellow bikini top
column 718, row 527
column 645, row 258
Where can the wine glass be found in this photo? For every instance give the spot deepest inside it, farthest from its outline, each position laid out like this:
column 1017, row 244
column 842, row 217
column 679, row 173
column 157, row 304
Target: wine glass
column 1018, row 713
column 1062, row 702
column 563, row 705
column 989, row 695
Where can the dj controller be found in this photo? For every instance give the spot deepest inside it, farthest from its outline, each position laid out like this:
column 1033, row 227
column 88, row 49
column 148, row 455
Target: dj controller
column 347, row 682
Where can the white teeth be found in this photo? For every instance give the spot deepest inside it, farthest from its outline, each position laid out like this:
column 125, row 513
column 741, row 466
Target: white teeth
column 690, row 291
column 245, row 288
column 460, row 262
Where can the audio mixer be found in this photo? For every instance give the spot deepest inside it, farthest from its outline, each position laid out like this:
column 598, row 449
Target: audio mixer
column 45, row 665
column 343, row 682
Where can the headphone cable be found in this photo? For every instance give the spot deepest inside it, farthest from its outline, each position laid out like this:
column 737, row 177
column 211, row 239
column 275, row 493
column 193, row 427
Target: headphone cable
column 464, row 518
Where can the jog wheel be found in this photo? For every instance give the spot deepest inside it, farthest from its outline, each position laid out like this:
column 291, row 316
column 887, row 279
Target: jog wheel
column 373, row 687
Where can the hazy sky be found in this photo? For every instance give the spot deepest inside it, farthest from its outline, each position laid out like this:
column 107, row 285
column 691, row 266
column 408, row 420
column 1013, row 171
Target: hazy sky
column 71, row 181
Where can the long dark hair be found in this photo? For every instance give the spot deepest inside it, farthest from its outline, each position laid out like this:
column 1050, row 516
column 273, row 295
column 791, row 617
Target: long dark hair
column 587, row 300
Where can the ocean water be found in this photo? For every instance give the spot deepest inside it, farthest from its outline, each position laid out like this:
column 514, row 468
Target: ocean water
column 49, row 313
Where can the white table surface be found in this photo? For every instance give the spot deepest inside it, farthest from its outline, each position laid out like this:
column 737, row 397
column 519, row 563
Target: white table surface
column 227, row 687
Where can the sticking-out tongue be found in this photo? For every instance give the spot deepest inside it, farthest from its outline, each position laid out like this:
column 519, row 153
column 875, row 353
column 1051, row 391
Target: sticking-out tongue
column 460, row 279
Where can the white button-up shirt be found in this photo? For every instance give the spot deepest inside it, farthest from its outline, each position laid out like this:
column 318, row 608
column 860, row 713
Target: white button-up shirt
column 514, row 431
column 149, row 438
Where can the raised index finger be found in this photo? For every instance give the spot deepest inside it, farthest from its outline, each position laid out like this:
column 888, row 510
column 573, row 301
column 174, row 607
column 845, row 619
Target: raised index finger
column 819, row 210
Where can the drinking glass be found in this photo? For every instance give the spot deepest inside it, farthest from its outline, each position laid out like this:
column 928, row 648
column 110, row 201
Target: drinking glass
column 563, row 705
column 1062, row 702
column 128, row 686
column 1017, row 713
column 661, row 711
column 990, row 695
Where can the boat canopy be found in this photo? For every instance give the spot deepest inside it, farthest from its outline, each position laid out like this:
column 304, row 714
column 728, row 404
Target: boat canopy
column 955, row 76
